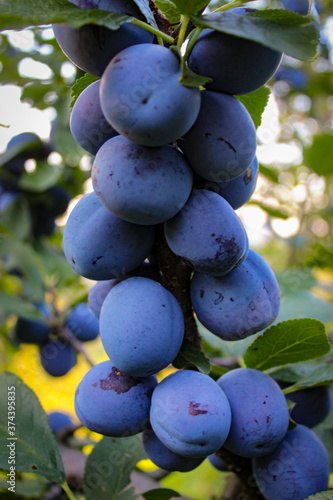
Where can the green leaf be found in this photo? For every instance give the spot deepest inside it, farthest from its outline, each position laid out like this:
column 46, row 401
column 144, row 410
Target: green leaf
column 35, row 446
column 190, row 355
column 281, row 30
column 323, row 375
column 12, row 304
column 218, row 370
column 191, row 79
column 288, row 342
column 269, row 173
column 145, row 9
column 324, row 495
column 302, row 303
column 80, row 85
column 28, row 486
column 16, row 219
column 272, row 212
column 319, row 156
column 293, row 373
column 190, row 6
column 108, row 468
column 44, row 177
column 255, row 103
column 160, row 494
column 18, row 14
column 169, row 9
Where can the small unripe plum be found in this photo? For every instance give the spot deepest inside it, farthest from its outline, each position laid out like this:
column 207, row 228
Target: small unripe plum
column 87, row 122
column 82, row 323
column 113, row 404
column 260, row 416
column 139, row 184
column 190, row 414
column 221, row 145
column 141, row 326
column 142, row 98
column 57, row 357
column 207, row 234
column 99, row 245
column 239, row 304
column 296, row 469
column 236, row 65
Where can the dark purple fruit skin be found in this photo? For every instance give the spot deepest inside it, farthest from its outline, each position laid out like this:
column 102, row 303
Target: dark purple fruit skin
column 312, row 404
column 142, row 98
column 217, row 462
column 221, row 145
column 239, row 304
column 236, row 65
column 92, row 47
column 238, row 191
column 87, row 122
column 82, row 323
column 260, row 416
column 207, row 234
column 112, row 403
column 296, row 469
column 141, row 326
column 140, row 184
column 190, row 414
column 98, row 293
column 57, row 357
column 59, row 421
column 164, row 458
column 33, row 332
column 99, row 245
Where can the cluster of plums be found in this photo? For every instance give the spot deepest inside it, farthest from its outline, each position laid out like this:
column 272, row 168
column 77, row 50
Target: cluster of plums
column 45, row 206
column 171, row 154
column 57, row 355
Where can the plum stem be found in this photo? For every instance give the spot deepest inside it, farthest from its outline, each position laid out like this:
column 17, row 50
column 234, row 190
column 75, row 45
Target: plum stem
column 191, row 43
column 76, row 344
column 157, row 32
column 68, row 491
column 184, row 23
column 231, row 5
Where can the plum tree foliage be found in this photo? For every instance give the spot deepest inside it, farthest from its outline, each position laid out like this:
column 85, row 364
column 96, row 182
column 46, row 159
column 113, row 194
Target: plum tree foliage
column 150, row 275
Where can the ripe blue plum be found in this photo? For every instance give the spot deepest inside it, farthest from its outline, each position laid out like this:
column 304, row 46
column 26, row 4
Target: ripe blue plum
column 166, row 459
column 99, row 245
column 59, row 421
column 299, row 6
column 141, row 326
column 312, row 404
column 239, row 304
column 87, row 122
column 217, row 462
column 98, row 293
column 260, row 416
column 221, row 145
column 190, row 414
column 33, row 331
column 57, row 357
column 296, row 469
column 142, row 98
column 113, row 404
column 92, row 47
column 82, row 323
column 139, row 184
column 238, row 191
column 207, row 234
column 236, row 65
